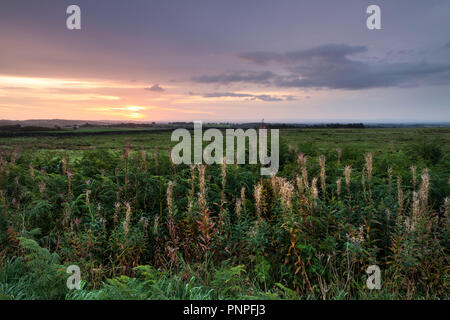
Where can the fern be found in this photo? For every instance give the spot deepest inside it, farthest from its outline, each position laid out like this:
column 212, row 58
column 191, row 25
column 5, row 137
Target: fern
column 38, row 275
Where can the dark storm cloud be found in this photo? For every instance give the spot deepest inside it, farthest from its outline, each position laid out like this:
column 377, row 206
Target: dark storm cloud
column 358, row 75
column 155, row 88
column 260, row 97
column 330, row 52
column 335, row 66
column 236, row 76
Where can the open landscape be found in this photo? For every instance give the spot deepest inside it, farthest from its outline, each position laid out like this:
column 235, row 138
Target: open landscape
column 140, row 227
column 224, row 159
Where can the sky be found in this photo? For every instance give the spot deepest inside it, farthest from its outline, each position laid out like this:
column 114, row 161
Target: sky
column 225, row 60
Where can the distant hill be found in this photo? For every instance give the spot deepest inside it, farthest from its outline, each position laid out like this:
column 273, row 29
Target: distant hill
column 62, row 123
column 51, row 123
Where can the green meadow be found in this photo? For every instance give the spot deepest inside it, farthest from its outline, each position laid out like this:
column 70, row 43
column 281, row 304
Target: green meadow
column 140, row 227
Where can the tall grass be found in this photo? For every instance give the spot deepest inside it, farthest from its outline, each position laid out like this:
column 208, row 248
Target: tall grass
column 140, row 228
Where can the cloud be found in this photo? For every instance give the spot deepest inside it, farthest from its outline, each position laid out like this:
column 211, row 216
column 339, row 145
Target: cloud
column 236, row 76
column 16, row 88
column 326, row 52
column 333, row 66
column 155, row 88
column 260, row 97
column 354, row 75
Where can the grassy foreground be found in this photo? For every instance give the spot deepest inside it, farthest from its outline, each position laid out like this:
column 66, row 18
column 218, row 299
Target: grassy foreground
column 140, row 227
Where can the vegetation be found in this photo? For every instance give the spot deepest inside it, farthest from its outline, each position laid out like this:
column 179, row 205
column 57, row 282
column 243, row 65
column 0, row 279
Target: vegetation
column 140, row 227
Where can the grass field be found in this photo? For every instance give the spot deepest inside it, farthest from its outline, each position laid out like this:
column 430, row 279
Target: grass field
column 140, row 227
column 361, row 139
